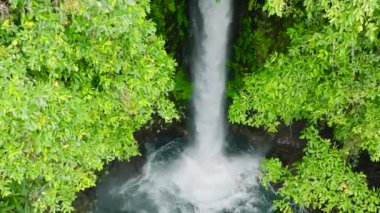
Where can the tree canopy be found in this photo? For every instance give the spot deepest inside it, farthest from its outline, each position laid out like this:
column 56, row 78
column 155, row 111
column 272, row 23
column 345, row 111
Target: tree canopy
column 77, row 79
column 327, row 75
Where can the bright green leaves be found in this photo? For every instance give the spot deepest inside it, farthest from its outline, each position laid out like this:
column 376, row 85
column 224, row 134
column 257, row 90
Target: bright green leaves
column 272, row 172
column 323, row 180
column 77, row 79
column 255, row 44
column 327, row 75
column 56, row 140
column 275, row 7
column 364, row 130
column 357, row 16
column 173, row 25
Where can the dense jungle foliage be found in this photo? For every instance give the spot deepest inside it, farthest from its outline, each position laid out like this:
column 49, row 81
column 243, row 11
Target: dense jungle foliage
column 77, row 79
column 173, row 26
column 316, row 61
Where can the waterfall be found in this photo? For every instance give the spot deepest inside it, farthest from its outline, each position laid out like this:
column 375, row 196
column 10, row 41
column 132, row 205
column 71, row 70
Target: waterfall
column 201, row 177
column 209, row 70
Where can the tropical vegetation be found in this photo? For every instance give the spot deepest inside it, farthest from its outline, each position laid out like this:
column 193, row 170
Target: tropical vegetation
column 79, row 78
column 315, row 61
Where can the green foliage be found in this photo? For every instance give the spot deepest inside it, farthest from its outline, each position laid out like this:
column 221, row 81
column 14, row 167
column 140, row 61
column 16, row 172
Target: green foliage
column 173, row 25
column 171, row 22
column 322, row 180
column 275, row 7
column 183, row 87
column 77, row 79
column 327, row 75
column 260, row 36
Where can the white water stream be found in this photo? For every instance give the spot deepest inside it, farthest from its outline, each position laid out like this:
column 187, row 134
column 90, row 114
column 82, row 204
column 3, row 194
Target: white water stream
column 209, row 70
column 201, row 177
column 205, row 175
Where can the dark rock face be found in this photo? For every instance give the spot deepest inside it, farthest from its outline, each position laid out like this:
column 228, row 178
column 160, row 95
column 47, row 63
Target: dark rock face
column 288, row 147
column 285, row 144
column 176, row 129
column 370, row 169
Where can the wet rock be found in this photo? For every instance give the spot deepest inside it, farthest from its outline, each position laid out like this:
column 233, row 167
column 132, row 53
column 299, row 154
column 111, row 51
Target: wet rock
column 285, row 144
column 370, row 169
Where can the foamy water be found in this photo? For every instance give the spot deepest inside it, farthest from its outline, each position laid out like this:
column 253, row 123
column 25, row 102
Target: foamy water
column 173, row 180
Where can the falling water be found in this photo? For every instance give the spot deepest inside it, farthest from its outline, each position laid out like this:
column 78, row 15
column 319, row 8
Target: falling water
column 209, row 69
column 202, row 177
